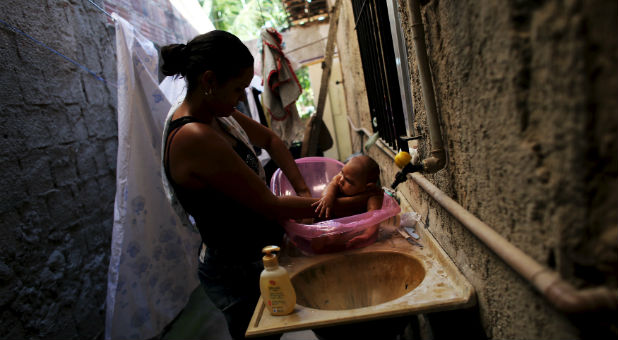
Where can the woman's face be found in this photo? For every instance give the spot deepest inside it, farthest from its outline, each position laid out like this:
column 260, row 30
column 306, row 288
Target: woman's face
column 228, row 94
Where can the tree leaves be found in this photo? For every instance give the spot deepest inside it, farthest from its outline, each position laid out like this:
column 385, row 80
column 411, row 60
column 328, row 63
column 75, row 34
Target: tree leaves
column 245, row 18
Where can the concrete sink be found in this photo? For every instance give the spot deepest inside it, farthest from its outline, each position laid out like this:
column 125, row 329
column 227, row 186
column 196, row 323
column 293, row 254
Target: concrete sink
column 387, row 280
column 357, row 280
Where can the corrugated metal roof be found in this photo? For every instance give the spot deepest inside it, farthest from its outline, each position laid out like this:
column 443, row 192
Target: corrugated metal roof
column 303, row 12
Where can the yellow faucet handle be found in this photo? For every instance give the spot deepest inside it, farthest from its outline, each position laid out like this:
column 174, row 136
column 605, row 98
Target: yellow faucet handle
column 402, row 159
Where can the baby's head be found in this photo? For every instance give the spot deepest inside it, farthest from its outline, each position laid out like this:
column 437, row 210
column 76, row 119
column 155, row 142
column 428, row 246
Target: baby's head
column 359, row 174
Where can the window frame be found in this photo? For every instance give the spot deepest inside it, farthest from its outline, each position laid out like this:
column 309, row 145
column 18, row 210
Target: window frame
column 385, row 65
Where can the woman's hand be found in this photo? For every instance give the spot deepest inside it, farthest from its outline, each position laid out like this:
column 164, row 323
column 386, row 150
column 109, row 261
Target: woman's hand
column 304, row 193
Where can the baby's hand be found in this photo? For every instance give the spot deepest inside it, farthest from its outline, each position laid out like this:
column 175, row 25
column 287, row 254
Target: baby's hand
column 324, row 205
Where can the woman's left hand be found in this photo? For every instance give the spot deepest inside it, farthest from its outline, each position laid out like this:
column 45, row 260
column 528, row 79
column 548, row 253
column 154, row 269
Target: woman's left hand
column 304, row 193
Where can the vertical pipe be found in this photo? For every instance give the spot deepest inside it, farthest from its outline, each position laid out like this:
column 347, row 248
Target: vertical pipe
column 438, row 159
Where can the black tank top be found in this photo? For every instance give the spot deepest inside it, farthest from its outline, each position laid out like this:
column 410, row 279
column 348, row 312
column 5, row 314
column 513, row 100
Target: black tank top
column 234, row 232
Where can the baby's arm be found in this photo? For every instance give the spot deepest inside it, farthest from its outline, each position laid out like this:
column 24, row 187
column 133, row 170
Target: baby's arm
column 375, row 202
column 325, row 204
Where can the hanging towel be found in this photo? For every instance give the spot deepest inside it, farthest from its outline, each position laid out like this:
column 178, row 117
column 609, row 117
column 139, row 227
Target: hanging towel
column 153, row 262
column 281, row 89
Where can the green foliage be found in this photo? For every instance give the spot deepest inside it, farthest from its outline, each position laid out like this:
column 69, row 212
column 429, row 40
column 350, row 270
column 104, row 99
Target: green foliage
column 305, row 102
column 245, row 18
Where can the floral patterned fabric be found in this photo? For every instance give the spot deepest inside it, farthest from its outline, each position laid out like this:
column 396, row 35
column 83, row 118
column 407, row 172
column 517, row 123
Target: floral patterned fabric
column 153, row 263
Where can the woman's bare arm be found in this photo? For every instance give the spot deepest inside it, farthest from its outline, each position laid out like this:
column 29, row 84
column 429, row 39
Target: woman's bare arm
column 265, row 138
column 199, row 157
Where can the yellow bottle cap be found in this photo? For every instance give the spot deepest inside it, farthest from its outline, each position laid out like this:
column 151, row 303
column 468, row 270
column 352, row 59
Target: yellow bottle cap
column 270, row 259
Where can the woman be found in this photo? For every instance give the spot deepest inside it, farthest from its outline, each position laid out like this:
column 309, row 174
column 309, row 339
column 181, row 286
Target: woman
column 216, row 176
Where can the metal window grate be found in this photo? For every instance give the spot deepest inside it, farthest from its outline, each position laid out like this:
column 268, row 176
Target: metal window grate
column 381, row 79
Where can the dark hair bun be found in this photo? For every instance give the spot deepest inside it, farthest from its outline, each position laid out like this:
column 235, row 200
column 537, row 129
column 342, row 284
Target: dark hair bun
column 218, row 51
column 174, row 59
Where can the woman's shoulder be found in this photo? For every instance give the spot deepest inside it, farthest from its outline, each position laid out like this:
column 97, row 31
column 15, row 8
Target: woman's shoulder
column 198, row 135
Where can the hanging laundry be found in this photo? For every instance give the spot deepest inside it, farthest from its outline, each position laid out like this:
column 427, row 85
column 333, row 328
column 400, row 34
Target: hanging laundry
column 153, row 262
column 281, row 89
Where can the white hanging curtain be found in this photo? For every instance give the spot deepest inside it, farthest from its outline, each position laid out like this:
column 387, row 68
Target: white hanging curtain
column 153, row 264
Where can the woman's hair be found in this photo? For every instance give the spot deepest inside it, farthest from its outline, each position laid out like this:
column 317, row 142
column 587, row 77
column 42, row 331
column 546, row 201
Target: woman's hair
column 218, row 51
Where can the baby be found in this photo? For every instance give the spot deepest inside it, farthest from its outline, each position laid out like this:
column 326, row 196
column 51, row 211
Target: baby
column 359, row 176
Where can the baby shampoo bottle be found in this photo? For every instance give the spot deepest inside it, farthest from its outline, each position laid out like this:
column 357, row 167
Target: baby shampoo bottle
column 275, row 285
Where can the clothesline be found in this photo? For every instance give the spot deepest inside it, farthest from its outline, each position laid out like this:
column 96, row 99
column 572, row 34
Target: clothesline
column 92, row 73
column 73, row 61
column 89, row 71
column 305, row 45
column 102, row 10
column 112, row 18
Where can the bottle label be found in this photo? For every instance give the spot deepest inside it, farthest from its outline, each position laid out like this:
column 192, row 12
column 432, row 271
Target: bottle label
column 276, row 295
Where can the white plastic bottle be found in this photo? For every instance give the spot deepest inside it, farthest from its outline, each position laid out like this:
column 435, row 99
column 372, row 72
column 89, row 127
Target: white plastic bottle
column 275, row 285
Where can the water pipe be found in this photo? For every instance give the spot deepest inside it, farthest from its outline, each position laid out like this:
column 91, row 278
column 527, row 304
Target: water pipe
column 556, row 290
column 560, row 293
column 372, row 138
column 438, row 155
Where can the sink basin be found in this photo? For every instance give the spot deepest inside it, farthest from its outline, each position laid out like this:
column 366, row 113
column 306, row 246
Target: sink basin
column 363, row 288
column 357, row 280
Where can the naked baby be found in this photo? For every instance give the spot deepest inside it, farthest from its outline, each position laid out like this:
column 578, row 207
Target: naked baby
column 359, row 176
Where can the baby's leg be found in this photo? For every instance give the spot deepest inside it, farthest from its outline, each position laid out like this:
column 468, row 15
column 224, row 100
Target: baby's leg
column 365, row 236
column 328, row 243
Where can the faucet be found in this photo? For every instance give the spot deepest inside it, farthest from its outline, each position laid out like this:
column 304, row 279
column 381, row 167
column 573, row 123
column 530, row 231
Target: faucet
column 403, row 161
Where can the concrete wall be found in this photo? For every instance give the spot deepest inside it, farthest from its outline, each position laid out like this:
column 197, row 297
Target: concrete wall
column 526, row 91
column 335, row 111
column 58, row 154
column 157, row 20
column 58, row 151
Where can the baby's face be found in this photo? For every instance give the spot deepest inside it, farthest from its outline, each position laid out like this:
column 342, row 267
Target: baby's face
column 353, row 179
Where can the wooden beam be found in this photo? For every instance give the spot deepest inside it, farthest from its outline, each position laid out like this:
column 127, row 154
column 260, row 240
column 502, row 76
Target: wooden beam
column 310, row 140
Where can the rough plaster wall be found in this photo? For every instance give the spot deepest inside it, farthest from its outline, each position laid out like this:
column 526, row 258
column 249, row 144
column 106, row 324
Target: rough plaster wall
column 526, row 92
column 305, row 44
column 58, row 155
column 354, row 88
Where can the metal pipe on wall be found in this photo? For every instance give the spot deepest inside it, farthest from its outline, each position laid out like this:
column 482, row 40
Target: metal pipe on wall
column 438, row 155
column 560, row 293
column 556, row 290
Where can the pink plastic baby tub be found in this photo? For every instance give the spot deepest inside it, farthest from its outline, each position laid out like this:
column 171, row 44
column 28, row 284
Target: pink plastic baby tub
column 334, row 235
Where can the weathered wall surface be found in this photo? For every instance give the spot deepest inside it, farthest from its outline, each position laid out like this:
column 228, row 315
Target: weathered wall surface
column 353, row 76
column 526, row 91
column 58, row 155
column 157, row 20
